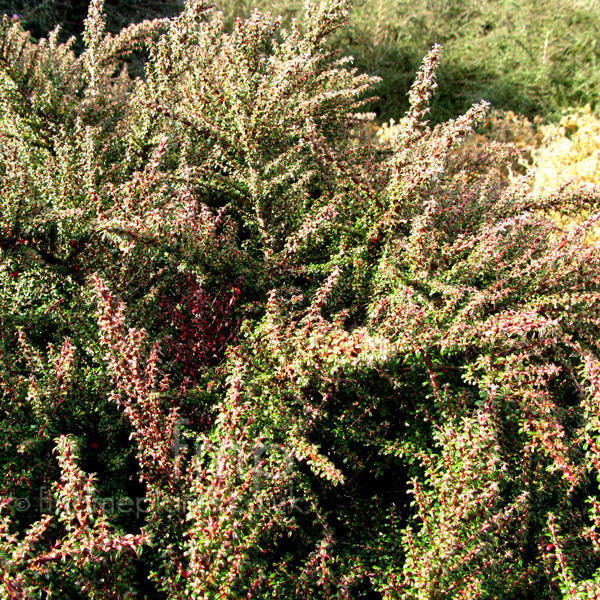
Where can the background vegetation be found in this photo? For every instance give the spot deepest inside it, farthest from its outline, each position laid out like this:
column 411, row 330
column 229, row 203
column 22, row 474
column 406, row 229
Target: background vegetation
column 529, row 57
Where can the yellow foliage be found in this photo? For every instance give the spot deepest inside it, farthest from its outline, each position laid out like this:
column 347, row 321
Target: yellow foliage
column 384, row 133
column 570, row 152
column 512, row 128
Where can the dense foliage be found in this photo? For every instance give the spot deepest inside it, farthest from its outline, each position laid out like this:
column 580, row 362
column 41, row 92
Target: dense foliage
column 248, row 353
column 535, row 58
column 40, row 17
column 522, row 55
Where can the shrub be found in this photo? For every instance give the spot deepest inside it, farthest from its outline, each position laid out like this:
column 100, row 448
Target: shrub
column 275, row 331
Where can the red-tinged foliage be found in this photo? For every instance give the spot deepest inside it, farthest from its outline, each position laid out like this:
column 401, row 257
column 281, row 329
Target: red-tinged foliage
column 74, row 551
column 306, row 365
column 204, row 325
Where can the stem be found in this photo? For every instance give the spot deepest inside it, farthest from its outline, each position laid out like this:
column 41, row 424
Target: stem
column 433, row 378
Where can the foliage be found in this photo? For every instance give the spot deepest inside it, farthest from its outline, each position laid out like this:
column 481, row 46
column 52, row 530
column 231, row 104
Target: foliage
column 519, row 55
column 571, row 152
column 90, row 558
column 40, row 17
column 273, row 331
column 555, row 155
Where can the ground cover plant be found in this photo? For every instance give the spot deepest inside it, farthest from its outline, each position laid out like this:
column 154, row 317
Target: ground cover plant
column 247, row 353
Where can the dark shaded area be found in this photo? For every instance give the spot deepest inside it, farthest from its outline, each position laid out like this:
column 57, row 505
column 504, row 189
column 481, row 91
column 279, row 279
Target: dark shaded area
column 40, row 17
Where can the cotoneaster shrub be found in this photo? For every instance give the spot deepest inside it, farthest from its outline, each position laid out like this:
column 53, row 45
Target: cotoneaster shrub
column 300, row 365
column 554, row 155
